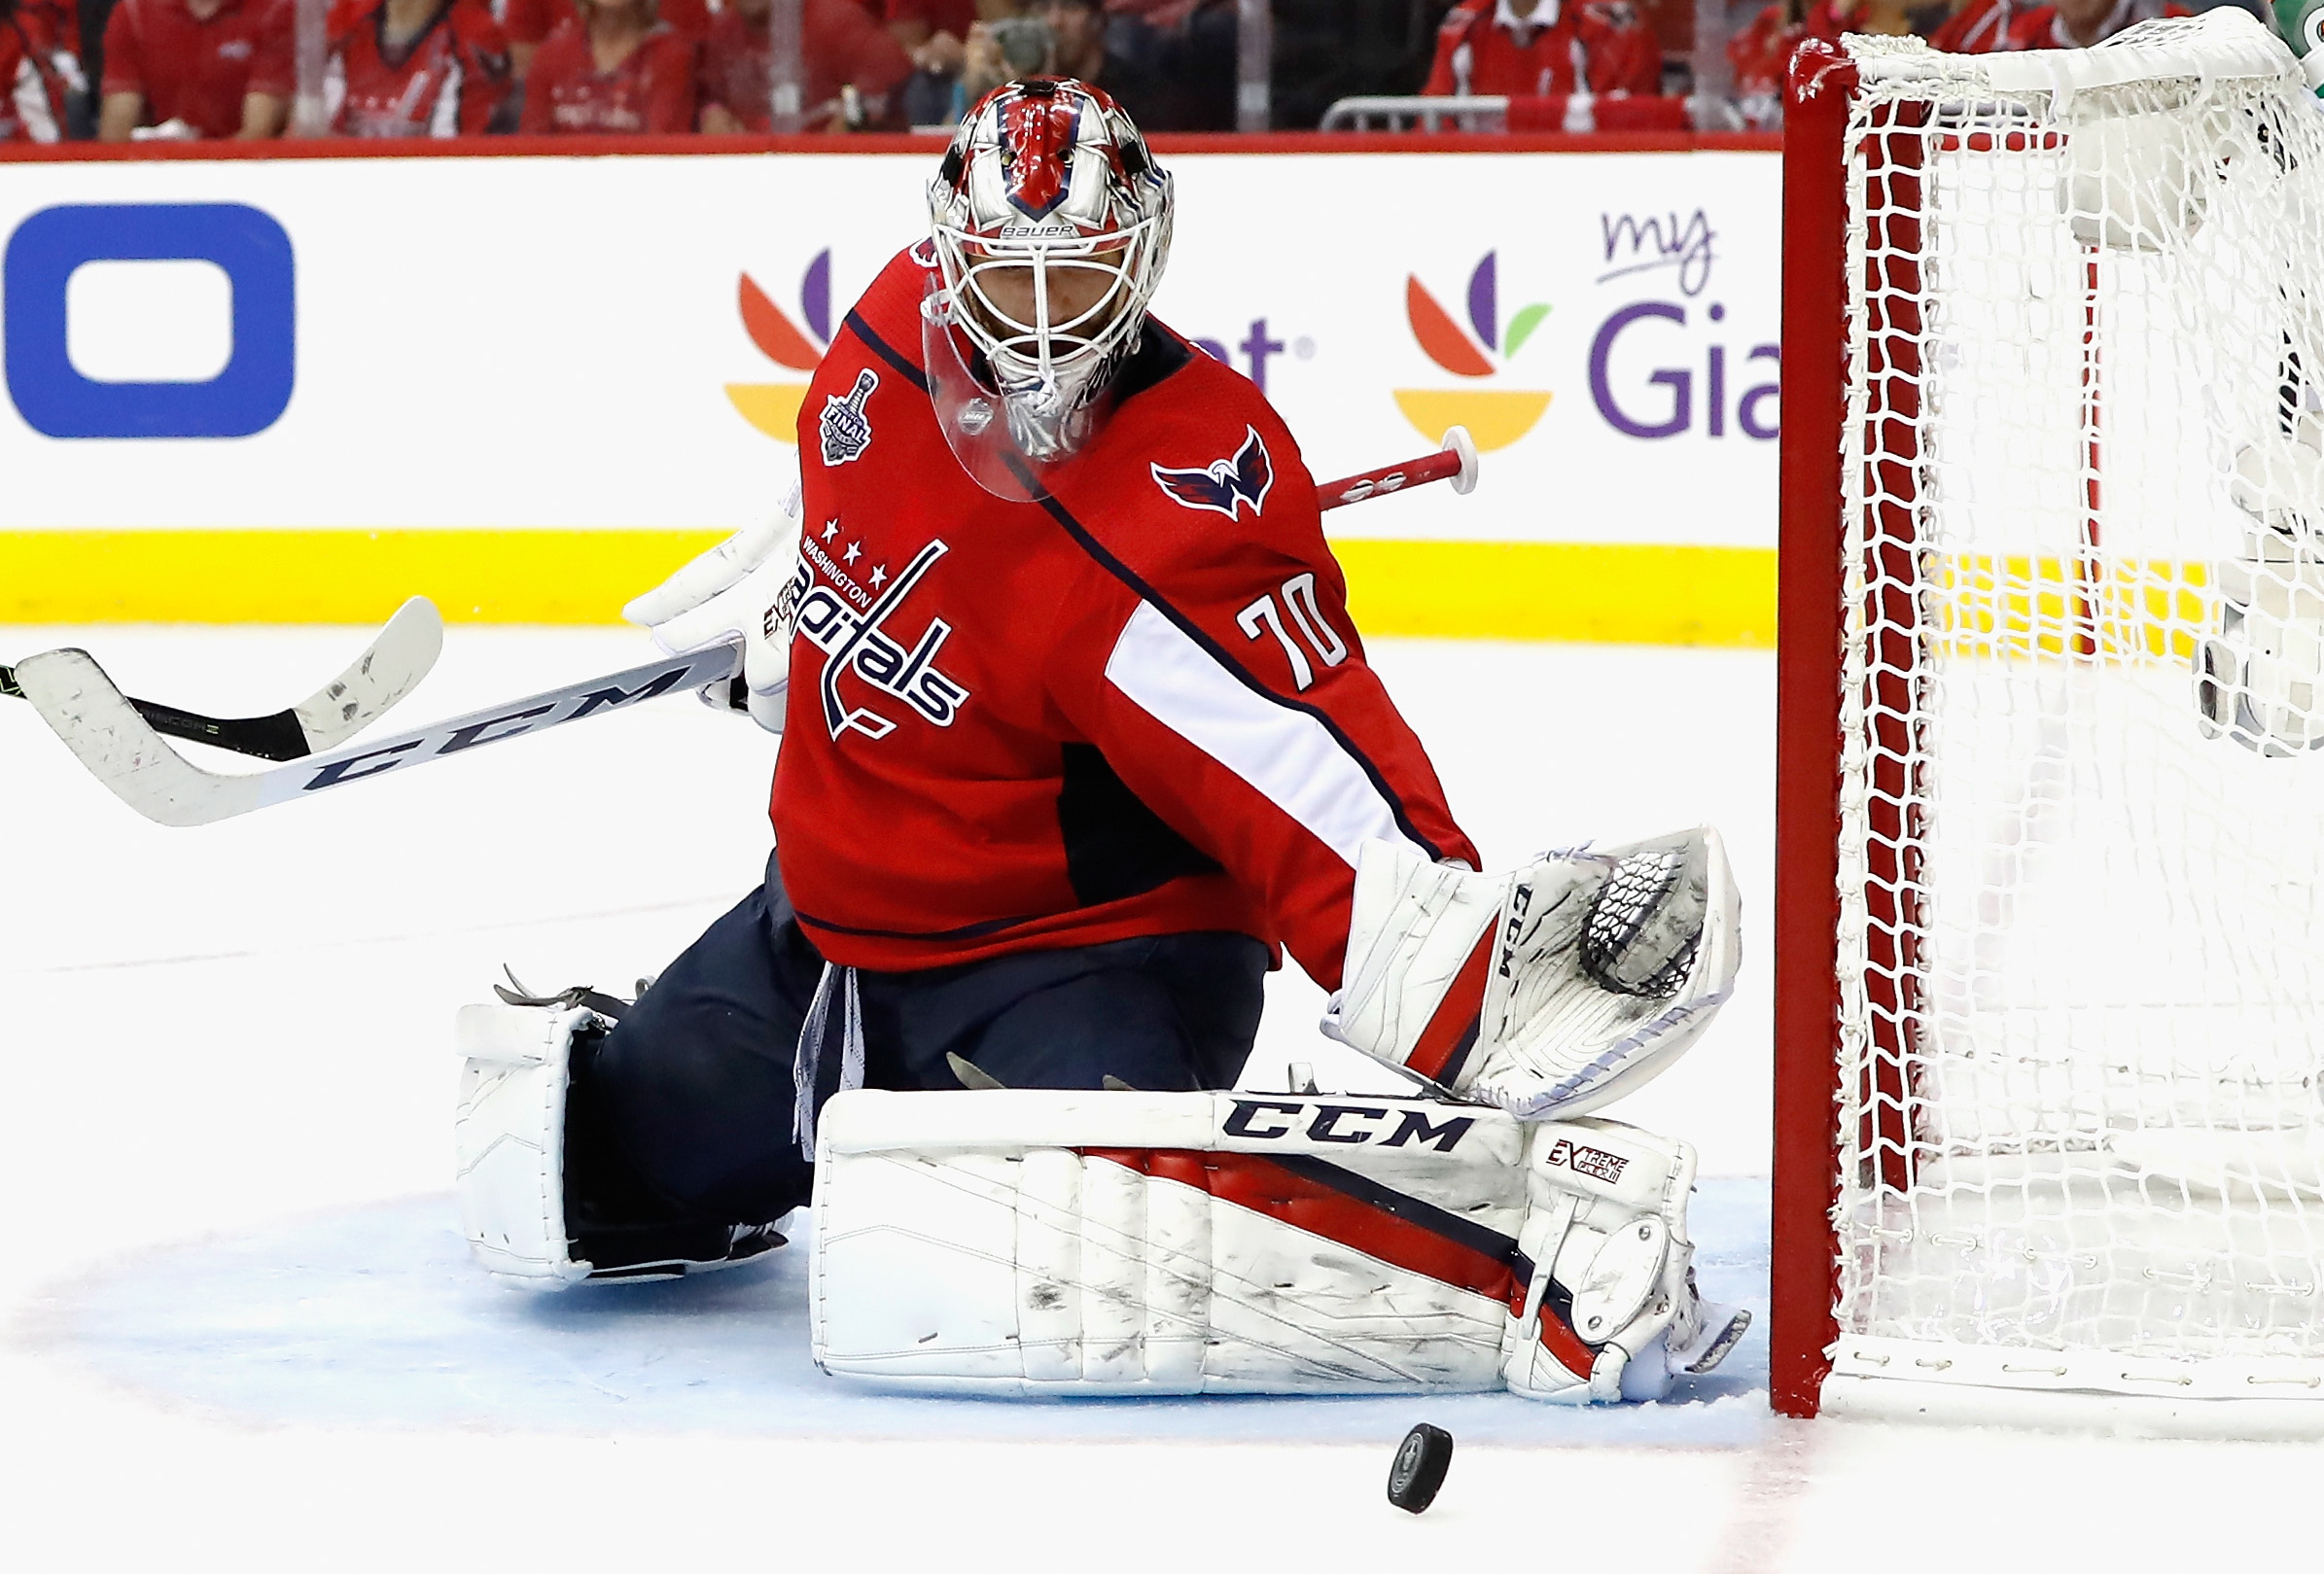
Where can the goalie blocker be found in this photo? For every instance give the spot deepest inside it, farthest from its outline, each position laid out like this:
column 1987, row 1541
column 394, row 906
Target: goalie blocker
column 1034, row 1243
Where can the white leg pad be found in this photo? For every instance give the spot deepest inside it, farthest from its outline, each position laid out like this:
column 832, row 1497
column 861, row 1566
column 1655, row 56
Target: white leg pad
column 1027, row 1243
column 510, row 1136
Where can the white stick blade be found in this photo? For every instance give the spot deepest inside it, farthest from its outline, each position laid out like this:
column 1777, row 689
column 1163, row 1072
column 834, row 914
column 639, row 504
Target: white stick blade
column 390, row 667
column 81, row 705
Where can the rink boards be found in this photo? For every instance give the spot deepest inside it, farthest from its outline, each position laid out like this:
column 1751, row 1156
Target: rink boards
column 298, row 388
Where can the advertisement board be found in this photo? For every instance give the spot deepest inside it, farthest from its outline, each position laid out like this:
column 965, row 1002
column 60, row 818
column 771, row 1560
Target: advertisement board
column 436, row 352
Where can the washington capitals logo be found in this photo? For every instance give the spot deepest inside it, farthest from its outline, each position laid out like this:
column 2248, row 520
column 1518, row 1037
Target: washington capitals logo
column 846, row 429
column 855, row 639
column 1223, row 485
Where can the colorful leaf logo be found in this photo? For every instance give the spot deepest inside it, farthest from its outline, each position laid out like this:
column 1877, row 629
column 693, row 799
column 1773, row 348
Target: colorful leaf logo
column 1442, row 339
column 774, row 407
column 1494, row 417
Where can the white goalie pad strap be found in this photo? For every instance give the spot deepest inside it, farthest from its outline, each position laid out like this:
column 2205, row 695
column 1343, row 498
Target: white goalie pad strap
column 1553, row 990
column 1038, row 1243
column 1607, row 1225
column 509, row 1132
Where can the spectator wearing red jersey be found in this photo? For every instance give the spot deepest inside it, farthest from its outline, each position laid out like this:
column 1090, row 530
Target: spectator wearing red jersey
column 196, row 68
column 37, row 72
column 408, row 68
column 527, row 23
column 1761, row 52
column 1560, row 47
column 1980, row 28
column 842, row 46
column 932, row 31
column 616, row 69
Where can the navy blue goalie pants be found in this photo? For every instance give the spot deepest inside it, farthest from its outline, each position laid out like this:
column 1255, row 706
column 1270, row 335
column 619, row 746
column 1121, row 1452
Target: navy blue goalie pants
column 687, row 1103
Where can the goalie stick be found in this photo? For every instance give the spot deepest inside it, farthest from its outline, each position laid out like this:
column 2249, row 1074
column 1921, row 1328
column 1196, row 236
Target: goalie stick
column 390, row 667
column 1455, row 461
column 120, row 746
column 104, row 729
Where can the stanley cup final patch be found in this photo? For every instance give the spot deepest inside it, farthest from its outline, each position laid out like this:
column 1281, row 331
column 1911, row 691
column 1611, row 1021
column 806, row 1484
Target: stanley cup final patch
column 846, row 429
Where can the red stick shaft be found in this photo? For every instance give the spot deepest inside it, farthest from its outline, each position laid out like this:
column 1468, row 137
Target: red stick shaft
column 1440, row 465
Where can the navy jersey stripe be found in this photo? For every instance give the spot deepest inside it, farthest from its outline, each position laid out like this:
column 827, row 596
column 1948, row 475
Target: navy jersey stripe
column 885, row 351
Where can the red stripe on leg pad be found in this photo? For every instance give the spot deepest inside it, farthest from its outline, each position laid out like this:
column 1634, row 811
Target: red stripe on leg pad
column 1458, row 1014
column 1564, row 1344
column 1264, row 1186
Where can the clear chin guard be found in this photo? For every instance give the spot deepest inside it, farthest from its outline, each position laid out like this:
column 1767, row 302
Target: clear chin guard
column 1014, row 443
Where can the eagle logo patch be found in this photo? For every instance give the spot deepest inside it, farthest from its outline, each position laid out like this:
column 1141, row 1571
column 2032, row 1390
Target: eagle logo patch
column 1224, row 485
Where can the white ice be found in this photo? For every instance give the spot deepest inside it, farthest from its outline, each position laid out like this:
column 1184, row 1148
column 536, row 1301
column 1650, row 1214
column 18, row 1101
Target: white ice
column 235, row 1321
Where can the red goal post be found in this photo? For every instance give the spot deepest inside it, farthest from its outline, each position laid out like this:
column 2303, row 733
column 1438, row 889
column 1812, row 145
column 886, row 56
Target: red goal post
column 2048, row 1066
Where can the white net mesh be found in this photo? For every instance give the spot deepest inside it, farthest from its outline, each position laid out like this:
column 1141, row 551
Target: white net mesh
column 2081, row 945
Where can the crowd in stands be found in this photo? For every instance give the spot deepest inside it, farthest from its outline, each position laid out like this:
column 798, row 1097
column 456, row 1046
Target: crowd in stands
column 189, row 69
column 144, row 69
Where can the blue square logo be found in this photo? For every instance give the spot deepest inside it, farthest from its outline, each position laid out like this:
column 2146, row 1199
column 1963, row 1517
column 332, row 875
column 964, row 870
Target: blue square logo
column 247, row 245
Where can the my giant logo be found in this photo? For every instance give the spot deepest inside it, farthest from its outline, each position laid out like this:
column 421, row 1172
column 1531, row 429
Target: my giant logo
column 1692, row 377
column 59, row 399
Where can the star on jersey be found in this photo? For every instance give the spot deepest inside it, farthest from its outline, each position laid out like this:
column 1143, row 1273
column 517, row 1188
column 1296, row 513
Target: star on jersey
column 852, row 554
column 1223, row 485
column 879, row 576
column 830, row 530
column 854, row 641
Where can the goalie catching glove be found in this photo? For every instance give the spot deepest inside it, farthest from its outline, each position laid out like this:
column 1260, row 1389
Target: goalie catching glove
column 748, row 584
column 1035, row 1243
column 1551, row 990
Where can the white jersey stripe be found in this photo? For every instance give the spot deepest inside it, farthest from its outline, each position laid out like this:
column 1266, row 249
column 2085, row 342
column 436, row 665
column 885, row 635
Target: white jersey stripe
column 1287, row 755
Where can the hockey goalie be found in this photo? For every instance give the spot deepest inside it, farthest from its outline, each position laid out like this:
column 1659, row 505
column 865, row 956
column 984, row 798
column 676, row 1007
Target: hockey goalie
column 1077, row 738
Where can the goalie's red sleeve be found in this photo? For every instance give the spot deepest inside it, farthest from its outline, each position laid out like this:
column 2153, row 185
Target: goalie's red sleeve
column 1135, row 706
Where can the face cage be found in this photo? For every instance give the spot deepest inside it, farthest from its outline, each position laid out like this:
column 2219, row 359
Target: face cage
column 1053, row 368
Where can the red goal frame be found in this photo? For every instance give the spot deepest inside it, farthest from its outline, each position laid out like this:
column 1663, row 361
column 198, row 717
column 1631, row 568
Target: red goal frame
column 1811, row 674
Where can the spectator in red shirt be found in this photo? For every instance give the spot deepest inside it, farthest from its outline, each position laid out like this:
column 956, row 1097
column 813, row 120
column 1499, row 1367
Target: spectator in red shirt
column 37, row 72
column 842, row 46
column 408, row 68
column 1560, row 47
column 527, row 23
column 196, row 68
column 614, row 69
column 938, row 28
column 1980, row 28
column 1761, row 52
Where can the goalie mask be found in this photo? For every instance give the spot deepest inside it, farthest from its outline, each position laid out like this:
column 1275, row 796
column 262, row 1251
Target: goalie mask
column 1051, row 226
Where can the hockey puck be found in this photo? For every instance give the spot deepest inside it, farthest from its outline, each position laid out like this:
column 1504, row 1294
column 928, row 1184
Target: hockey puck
column 1421, row 1459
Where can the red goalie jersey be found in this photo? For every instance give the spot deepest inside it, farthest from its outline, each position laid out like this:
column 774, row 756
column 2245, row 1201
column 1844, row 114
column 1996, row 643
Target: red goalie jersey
column 1132, row 706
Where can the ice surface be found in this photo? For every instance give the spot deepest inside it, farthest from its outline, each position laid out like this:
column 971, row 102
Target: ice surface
column 234, row 1325
column 374, row 1316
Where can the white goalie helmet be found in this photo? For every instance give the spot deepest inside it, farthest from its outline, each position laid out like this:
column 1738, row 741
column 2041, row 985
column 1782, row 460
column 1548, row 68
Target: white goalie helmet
column 1051, row 226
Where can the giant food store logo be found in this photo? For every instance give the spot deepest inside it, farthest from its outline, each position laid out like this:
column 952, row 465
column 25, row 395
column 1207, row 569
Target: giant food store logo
column 774, row 407
column 1496, row 417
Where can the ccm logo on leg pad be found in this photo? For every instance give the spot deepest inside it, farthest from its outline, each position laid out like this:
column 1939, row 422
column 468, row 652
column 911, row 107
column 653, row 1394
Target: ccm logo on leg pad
column 1383, row 1125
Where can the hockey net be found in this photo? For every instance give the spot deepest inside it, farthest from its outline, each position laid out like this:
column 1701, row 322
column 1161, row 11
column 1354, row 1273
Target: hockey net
column 2063, row 1067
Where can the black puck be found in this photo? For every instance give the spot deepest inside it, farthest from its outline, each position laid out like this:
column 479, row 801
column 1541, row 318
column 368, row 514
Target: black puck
column 1421, row 1459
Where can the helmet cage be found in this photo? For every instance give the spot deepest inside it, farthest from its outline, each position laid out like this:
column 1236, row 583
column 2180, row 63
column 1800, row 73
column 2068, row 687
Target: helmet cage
column 1050, row 178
